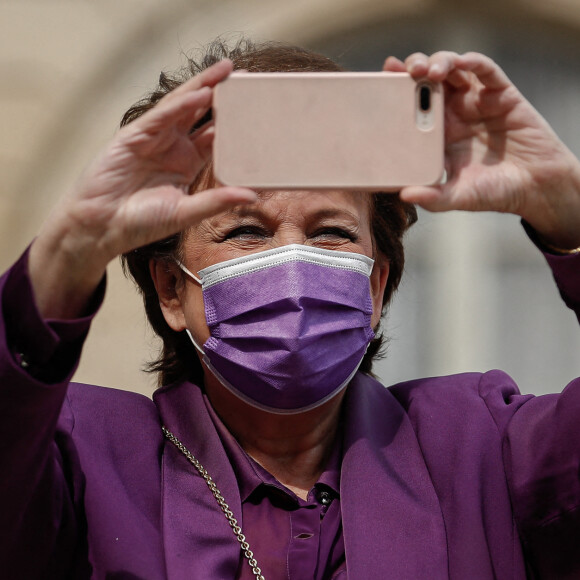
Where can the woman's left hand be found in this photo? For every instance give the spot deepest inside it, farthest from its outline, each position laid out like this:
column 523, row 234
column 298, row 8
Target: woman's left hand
column 500, row 154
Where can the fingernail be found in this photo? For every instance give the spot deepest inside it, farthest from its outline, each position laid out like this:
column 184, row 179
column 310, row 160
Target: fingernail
column 417, row 66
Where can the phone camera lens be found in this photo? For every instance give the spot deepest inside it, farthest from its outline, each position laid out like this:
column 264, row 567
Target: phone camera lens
column 425, row 98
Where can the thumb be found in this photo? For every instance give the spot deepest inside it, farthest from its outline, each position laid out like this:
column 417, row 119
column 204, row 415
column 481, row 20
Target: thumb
column 204, row 204
column 431, row 198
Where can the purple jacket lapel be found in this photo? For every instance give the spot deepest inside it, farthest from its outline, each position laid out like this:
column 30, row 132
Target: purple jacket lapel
column 393, row 526
column 199, row 542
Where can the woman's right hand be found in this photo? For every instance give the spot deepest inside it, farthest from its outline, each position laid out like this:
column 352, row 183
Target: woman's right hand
column 134, row 193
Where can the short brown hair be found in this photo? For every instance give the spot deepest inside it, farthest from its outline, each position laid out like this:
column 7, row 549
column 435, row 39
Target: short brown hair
column 390, row 217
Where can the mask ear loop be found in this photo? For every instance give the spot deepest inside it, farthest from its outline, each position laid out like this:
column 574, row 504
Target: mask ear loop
column 194, row 343
column 188, row 272
column 194, row 277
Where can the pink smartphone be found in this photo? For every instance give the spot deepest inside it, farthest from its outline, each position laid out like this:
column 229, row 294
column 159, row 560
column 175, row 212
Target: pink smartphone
column 368, row 131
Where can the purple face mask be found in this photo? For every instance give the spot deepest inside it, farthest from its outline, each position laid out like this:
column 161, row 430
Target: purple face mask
column 289, row 327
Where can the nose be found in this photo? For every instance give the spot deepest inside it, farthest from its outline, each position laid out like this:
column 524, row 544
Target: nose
column 290, row 234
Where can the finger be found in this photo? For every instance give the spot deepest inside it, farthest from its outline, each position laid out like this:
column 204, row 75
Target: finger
column 436, row 67
column 191, row 100
column 485, row 69
column 417, row 64
column 210, row 77
column 393, row 64
column 180, row 114
column 209, row 125
column 459, row 79
column 440, row 66
column 203, row 139
column 203, row 143
column 210, row 202
column 430, row 198
column 192, row 112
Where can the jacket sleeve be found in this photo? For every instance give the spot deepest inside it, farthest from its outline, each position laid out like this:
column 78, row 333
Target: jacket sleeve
column 40, row 487
column 541, row 448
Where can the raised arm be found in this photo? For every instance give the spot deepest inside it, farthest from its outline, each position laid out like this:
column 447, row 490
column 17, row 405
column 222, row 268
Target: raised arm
column 501, row 155
column 134, row 193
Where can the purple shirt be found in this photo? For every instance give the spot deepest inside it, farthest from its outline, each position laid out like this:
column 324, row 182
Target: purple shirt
column 290, row 537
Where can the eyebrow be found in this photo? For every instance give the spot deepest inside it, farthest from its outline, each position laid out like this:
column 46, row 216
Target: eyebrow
column 246, row 211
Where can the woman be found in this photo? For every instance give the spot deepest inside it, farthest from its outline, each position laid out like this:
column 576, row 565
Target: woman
column 456, row 477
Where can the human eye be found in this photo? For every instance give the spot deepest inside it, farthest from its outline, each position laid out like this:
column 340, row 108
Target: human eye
column 246, row 232
column 335, row 233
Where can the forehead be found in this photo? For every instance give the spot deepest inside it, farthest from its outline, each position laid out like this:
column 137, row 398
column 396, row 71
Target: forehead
column 304, row 205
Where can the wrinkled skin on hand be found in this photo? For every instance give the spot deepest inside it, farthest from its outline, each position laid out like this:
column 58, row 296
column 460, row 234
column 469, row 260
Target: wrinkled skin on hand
column 500, row 154
column 135, row 192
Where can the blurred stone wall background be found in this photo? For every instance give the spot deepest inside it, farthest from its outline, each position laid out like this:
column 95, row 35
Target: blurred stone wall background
column 476, row 294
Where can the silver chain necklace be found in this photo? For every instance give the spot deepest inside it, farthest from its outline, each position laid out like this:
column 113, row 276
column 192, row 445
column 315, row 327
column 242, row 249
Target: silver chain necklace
column 248, row 554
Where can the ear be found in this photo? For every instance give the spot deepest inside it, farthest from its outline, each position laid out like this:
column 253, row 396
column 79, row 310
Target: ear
column 168, row 282
column 378, row 280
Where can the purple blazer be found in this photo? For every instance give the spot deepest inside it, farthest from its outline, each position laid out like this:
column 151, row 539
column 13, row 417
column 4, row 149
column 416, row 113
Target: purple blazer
column 455, row 477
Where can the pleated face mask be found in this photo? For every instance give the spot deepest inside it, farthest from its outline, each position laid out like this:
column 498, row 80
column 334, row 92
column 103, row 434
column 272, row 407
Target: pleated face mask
column 289, row 327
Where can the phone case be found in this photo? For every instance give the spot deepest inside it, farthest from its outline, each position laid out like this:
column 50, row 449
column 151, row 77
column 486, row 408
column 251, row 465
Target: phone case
column 368, row 131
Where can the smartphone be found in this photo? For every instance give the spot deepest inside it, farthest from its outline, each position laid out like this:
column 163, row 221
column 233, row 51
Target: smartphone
column 367, row 131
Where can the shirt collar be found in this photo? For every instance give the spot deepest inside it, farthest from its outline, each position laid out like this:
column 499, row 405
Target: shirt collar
column 250, row 474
